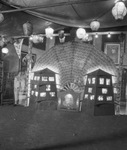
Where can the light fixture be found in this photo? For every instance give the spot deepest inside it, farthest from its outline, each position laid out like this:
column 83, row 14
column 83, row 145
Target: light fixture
column 49, row 32
column 96, row 35
column 95, row 25
column 90, row 38
column 36, row 39
column 80, row 33
column 1, row 17
column 5, row 50
column 85, row 38
column 109, row 35
column 61, row 36
column 119, row 10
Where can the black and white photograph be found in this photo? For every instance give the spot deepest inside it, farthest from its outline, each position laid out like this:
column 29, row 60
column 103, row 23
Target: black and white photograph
column 63, row 74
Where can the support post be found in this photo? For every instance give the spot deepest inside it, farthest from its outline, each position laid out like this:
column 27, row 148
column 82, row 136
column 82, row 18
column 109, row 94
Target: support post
column 29, row 64
column 120, row 70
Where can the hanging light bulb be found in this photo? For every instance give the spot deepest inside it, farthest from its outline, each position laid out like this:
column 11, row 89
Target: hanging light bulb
column 1, row 17
column 95, row 25
column 96, row 35
column 49, row 32
column 119, row 10
column 80, row 33
column 5, row 50
column 109, row 35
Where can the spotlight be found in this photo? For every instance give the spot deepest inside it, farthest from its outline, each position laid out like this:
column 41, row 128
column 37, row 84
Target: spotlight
column 96, row 35
column 109, row 35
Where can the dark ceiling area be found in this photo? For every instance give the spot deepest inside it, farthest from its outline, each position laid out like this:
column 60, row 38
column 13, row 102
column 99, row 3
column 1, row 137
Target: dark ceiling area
column 64, row 14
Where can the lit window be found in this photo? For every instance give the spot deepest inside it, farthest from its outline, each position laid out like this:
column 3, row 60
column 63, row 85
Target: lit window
column 51, row 78
column 104, row 91
column 52, row 94
column 48, row 87
column 101, row 80
column 38, row 78
column 92, row 97
column 93, row 80
column 35, row 78
column 89, row 90
column 89, row 80
column 115, row 90
column 86, row 96
column 43, row 94
column 36, row 93
column 109, row 98
column 35, row 86
column 44, row 78
column 107, row 81
column 100, row 98
column 32, row 92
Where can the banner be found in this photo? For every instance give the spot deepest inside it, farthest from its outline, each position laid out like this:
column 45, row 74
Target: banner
column 18, row 47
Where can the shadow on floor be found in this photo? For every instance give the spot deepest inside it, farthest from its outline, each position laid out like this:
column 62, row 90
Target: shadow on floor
column 109, row 142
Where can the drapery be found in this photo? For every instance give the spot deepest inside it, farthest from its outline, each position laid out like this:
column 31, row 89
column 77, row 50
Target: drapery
column 72, row 13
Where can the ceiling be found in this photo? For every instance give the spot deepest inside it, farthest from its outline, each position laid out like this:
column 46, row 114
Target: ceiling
column 63, row 14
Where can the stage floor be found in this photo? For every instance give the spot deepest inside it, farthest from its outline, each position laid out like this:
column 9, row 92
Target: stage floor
column 23, row 128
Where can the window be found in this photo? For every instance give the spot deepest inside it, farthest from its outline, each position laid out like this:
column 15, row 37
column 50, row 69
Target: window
column 86, row 96
column 109, row 98
column 48, row 87
column 104, row 90
column 100, row 98
column 35, row 86
column 51, row 79
column 115, row 90
column 44, row 78
column 52, row 94
column 89, row 90
column 32, row 92
column 93, row 80
column 89, row 80
column 36, row 93
column 101, row 81
column 43, row 94
column 38, row 78
column 35, row 77
column 92, row 97
column 107, row 81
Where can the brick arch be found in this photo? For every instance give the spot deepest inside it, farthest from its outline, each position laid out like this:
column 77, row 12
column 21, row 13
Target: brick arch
column 73, row 60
